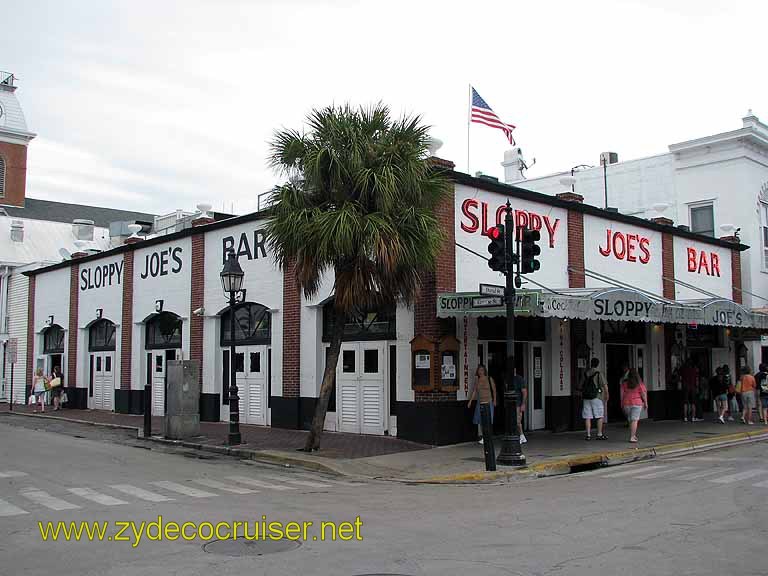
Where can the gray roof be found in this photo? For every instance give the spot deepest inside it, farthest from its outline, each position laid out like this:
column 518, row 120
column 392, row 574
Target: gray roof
column 62, row 212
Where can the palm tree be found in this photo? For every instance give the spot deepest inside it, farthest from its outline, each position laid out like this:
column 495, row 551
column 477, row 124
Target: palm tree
column 359, row 203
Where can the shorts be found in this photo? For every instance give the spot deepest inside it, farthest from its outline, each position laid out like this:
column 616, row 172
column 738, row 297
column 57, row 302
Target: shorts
column 476, row 416
column 748, row 400
column 721, row 398
column 764, row 401
column 592, row 408
column 633, row 412
column 689, row 396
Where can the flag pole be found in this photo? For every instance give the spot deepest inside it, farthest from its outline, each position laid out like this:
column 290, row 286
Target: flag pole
column 469, row 120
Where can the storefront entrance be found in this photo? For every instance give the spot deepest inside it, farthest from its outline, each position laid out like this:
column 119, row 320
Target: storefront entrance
column 360, row 388
column 618, row 360
column 495, row 359
column 101, row 382
column 162, row 340
column 251, row 369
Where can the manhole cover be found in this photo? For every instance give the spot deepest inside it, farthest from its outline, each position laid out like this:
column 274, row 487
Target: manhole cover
column 243, row 547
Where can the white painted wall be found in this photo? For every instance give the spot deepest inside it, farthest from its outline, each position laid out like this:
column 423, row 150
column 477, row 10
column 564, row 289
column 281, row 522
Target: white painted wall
column 18, row 301
column 51, row 299
column 560, row 357
column 700, row 272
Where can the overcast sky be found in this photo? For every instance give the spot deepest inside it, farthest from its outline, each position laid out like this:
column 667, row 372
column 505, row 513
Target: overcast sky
column 164, row 104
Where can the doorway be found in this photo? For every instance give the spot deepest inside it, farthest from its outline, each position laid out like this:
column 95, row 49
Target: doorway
column 360, row 397
column 497, row 364
column 618, row 359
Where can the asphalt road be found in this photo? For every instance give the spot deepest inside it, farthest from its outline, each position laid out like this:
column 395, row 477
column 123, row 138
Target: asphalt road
column 701, row 514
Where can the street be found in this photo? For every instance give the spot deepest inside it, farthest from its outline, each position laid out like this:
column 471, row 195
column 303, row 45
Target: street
column 699, row 514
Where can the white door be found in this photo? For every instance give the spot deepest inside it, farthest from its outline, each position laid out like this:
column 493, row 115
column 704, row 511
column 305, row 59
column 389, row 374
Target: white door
column 251, row 367
column 360, row 399
column 159, row 368
column 102, row 380
column 536, row 393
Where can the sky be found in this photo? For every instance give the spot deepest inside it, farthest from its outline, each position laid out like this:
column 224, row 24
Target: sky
column 164, row 104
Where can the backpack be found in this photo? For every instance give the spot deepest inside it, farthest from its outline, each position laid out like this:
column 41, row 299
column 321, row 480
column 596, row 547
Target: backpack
column 762, row 382
column 590, row 390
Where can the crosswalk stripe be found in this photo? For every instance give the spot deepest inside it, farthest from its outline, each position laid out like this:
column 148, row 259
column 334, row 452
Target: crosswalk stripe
column 739, row 476
column 45, row 499
column 258, row 484
column 12, row 474
column 763, row 484
column 633, row 471
column 224, row 487
column 8, row 509
column 703, row 474
column 140, row 493
column 663, row 473
column 181, row 489
column 98, row 497
column 298, row 482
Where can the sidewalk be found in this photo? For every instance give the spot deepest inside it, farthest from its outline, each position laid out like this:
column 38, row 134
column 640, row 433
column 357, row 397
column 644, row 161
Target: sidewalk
column 389, row 458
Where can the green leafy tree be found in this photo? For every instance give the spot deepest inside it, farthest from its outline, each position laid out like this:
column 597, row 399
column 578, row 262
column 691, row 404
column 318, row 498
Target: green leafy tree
column 359, row 203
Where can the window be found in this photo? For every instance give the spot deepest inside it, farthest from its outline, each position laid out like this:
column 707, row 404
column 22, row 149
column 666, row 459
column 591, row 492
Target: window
column 255, row 366
column 371, row 361
column 53, row 340
column 2, row 172
column 764, row 233
column 348, row 361
column 373, row 324
column 703, row 220
column 101, row 336
column 163, row 331
column 253, row 325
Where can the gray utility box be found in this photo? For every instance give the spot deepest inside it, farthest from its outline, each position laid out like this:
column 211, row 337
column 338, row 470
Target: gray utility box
column 182, row 416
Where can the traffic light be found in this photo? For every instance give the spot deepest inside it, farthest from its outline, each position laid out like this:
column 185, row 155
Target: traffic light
column 496, row 249
column 529, row 250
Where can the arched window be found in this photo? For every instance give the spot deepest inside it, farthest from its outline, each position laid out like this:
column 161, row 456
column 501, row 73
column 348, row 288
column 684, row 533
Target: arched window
column 101, row 336
column 163, row 331
column 2, row 174
column 369, row 324
column 53, row 340
column 253, row 325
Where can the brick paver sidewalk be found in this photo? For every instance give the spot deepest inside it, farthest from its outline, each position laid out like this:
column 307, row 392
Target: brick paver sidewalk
column 335, row 445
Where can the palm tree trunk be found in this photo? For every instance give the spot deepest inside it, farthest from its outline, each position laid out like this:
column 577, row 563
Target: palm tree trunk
column 321, row 408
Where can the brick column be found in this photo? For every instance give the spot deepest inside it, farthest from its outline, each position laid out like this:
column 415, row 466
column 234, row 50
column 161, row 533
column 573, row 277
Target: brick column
column 575, row 241
column 126, row 329
column 667, row 258
column 30, row 335
column 72, row 356
column 735, row 269
column 197, row 299
column 291, row 333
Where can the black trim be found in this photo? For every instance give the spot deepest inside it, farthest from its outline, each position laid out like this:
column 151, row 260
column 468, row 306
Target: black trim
column 262, row 315
column 657, row 404
column 523, row 194
column 307, row 411
column 154, row 328
column 209, row 407
column 435, row 423
column 77, row 398
column 122, row 401
column 558, row 410
column 392, row 380
column 96, row 343
column 48, row 345
column 285, row 412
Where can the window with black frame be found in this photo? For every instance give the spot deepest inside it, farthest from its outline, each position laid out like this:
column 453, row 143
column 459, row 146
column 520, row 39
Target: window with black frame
column 163, row 331
column 253, row 325
column 101, row 336
column 53, row 340
column 370, row 324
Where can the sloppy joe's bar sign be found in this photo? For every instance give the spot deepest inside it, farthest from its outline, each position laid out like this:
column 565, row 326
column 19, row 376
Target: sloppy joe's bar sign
column 162, row 263
column 478, row 216
column 99, row 276
column 615, row 304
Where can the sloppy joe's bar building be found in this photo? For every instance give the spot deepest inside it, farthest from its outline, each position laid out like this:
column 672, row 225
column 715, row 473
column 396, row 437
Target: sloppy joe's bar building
column 625, row 290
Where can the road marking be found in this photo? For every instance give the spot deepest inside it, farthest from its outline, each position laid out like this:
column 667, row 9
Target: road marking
column 140, row 493
column 258, row 484
column 306, row 483
column 704, row 474
column 633, row 471
column 8, row 509
column 663, row 472
column 763, row 484
column 98, row 497
column 225, row 487
column 739, row 476
column 45, row 499
column 12, row 474
column 181, row 489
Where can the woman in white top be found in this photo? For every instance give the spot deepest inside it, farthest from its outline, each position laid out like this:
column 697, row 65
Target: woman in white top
column 38, row 389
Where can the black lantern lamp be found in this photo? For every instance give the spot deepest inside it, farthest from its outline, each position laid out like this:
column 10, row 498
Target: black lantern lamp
column 232, row 282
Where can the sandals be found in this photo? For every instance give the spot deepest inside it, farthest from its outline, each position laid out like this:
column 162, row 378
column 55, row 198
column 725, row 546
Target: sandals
column 602, row 437
column 633, row 440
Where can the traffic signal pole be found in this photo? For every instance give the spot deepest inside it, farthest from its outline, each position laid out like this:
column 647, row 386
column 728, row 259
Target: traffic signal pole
column 511, row 453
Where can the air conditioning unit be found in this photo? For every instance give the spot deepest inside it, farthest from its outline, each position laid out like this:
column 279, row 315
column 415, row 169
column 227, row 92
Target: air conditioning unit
column 608, row 158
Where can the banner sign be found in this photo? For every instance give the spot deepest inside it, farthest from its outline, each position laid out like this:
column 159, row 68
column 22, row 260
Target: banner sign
column 453, row 304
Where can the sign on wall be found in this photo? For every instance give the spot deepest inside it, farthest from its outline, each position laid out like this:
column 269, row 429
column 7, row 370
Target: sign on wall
column 162, row 262
column 101, row 275
column 702, row 270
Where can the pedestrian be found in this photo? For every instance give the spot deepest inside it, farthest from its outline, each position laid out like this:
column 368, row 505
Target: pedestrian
column 55, row 387
column 746, row 387
column 592, row 396
column 521, row 387
column 719, row 390
column 39, row 383
column 733, row 404
column 484, row 391
column 634, row 397
column 690, row 377
column 761, row 393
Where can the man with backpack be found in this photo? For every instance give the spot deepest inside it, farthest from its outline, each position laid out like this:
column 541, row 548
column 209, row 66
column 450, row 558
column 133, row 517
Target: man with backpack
column 761, row 393
column 592, row 391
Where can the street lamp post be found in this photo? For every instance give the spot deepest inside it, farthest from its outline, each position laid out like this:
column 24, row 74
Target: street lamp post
column 232, row 283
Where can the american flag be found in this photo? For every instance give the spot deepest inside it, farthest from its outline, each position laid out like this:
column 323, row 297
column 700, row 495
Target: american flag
column 482, row 114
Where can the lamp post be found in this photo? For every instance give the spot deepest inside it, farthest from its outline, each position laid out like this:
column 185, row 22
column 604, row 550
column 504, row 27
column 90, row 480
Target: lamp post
column 232, row 283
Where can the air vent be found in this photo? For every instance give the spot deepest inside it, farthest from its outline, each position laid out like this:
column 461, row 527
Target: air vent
column 17, row 231
column 82, row 229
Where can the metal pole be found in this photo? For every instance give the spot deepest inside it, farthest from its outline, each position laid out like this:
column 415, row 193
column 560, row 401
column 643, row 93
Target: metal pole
column 10, row 402
column 147, row 410
column 511, row 454
column 605, row 181
column 234, row 408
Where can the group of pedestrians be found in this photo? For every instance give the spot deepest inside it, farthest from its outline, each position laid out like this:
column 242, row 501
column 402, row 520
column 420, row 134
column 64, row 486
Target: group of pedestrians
column 43, row 386
column 484, row 392
column 731, row 399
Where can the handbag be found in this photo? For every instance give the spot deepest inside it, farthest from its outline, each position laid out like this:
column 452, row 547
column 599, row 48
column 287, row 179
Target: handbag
column 31, row 400
column 738, row 387
column 64, row 398
column 55, row 382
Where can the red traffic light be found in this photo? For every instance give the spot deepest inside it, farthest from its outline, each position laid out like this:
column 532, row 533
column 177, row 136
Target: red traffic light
column 494, row 233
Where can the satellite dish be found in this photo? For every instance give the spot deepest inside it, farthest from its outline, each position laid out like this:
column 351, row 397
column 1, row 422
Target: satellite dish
column 134, row 229
column 204, row 209
column 65, row 254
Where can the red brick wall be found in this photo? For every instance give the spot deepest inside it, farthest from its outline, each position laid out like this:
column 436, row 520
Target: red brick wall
column 30, row 330
column 291, row 333
column 15, row 157
column 575, row 242
column 197, row 298
column 126, row 330
column 736, row 275
column 442, row 279
column 74, row 301
column 668, row 265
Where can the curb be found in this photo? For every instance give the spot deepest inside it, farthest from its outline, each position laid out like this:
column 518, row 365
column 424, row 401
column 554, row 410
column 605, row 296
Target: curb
column 77, row 421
